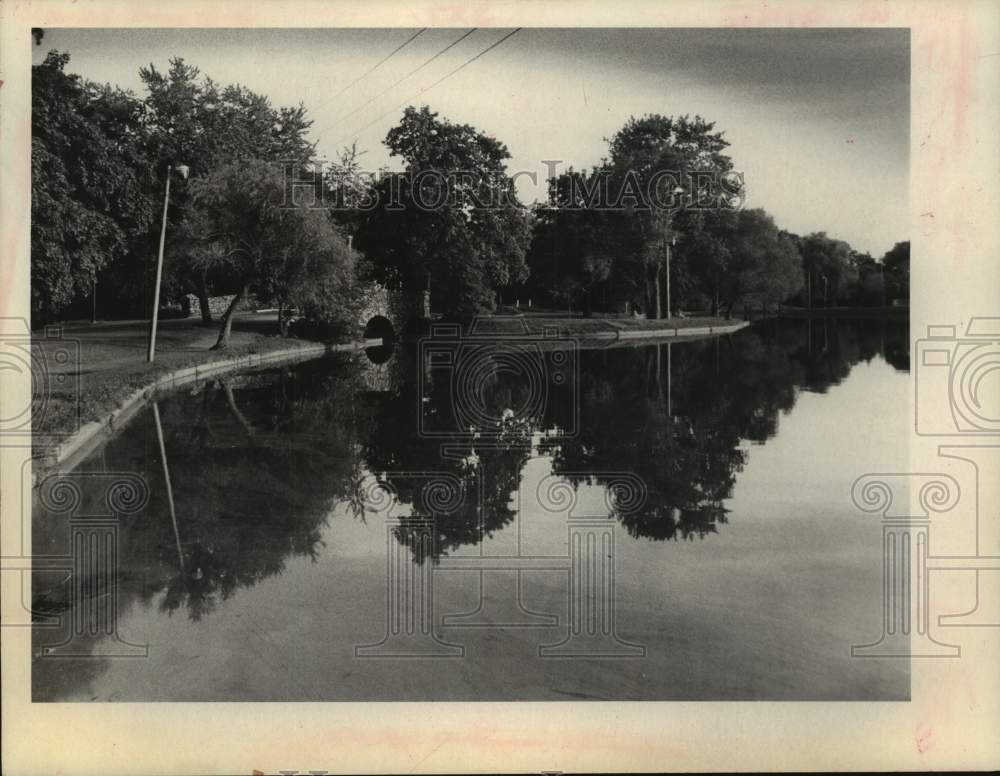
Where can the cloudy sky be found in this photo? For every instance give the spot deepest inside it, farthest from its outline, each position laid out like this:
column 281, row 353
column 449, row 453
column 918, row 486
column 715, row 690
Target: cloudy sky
column 818, row 120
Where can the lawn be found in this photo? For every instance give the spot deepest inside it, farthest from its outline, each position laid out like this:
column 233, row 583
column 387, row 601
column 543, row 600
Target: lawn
column 581, row 327
column 84, row 371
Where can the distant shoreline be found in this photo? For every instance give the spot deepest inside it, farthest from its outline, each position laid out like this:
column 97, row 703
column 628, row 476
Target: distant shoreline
column 599, row 329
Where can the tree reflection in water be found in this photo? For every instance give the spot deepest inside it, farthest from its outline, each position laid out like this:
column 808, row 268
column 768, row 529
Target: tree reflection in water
column 677, row 415
column 257, row 462
column 255, row 465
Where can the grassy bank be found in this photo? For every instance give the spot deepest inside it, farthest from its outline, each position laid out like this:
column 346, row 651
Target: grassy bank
column 92, row 368
column 596, row 326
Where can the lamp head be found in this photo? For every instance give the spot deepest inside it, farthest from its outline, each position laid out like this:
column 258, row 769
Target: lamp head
column 183, row 169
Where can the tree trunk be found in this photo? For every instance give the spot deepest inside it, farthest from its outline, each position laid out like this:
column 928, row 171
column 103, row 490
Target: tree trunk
column 206, row 310
column 227, row 319
column 282, row 318
column 729, row 309
column 659, row 303
column 715, row 300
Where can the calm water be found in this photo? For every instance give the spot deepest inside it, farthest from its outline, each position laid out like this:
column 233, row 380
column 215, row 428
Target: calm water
column 656, row 522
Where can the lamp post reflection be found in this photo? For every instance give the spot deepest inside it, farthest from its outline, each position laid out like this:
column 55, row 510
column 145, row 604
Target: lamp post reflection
column 166, row 479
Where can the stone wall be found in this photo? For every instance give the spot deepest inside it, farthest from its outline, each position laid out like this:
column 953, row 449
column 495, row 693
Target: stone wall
column 219, row 304
column 376, row 300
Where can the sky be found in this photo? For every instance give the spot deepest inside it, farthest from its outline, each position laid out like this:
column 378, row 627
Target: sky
column 817, row 119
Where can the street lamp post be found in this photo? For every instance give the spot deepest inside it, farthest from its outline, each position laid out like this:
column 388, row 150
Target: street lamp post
column 678, row 191
column 670, row 244
column 183, row 170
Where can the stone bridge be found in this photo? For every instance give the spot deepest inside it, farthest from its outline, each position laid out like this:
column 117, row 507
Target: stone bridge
column 383, row 313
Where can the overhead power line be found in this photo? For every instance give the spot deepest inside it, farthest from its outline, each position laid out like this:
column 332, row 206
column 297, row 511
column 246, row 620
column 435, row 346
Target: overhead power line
column 381, row 62
column 443, row 78
column 412, row 72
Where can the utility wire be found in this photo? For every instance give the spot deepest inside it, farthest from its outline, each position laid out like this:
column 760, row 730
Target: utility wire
column 378, row 64
column 412, row 72
column 443, row 78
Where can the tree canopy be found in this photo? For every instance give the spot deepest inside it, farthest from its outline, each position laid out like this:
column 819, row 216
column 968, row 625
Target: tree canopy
column 194, row 121
column 277, row 249
column 658, row 223
column 897, row 268
column 666, row 189
column 451, row 221
column 88, row 187
column 827, row 265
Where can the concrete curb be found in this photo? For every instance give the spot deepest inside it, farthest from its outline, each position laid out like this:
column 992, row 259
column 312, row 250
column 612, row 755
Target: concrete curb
column 695, row 331
column 619, row 334
column 92, row 435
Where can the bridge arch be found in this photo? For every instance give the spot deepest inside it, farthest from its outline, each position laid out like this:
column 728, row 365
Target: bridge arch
column 380, row 326
column 382, row 314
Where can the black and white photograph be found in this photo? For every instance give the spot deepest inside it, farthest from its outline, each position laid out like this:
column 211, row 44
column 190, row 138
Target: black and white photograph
column 539, row 363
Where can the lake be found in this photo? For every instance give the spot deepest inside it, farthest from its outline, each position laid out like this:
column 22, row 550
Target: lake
column 465, row 519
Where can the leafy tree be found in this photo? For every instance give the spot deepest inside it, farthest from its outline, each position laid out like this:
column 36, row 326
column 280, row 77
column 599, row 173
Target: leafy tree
column 573, row 249
column 704, row 257
column 195, row 121
column 763, row 264
column 88, row 199
column 827, row 266
column 897, row 270
column 451, row 221
column 273, row 248
column 606, row 233
column 735, row 256
column 868, row 288
column 348, row 189
column 653, row 155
